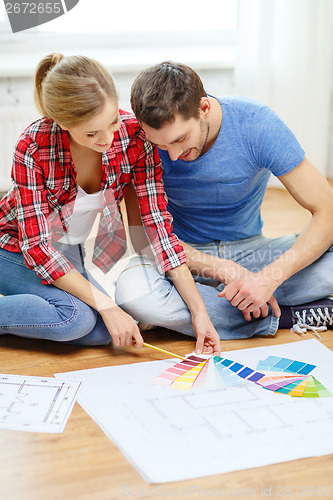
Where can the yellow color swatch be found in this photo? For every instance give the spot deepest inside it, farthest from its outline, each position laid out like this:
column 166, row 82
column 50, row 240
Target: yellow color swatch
column 185, row 381
column 299, row 389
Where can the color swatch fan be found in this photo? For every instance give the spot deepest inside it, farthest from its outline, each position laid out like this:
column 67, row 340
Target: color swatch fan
column 288, row 376
column 205, row 372
column 276, row 374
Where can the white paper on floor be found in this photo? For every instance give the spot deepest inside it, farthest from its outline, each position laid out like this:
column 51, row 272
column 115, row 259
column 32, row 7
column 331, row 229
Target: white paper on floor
column 36, row 404
column 171, row 435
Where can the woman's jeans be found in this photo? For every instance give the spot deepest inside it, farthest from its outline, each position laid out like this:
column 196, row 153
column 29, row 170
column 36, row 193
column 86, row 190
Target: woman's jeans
column 151, row 298
column 31, row 309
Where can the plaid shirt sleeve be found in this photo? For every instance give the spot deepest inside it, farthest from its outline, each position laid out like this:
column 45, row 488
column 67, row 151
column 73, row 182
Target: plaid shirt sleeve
column 153, row 202
column 32, row 212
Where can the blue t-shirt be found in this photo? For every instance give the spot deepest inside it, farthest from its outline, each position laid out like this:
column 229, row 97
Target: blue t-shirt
column 219, row 195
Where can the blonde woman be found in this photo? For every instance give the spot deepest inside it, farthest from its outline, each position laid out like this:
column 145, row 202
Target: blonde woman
column 79, row 159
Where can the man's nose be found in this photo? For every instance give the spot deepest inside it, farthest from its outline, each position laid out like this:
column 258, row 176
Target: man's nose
column 174, row 151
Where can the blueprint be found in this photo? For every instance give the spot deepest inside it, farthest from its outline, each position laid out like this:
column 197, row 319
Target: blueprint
column 35, row 404
column 171, row 435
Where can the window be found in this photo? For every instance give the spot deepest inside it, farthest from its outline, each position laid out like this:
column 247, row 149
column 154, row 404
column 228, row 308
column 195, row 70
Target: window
column 131, row 34
column 146, row 16
column 3, row 18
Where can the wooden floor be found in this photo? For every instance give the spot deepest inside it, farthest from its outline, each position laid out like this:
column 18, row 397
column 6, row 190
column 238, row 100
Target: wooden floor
column 82, row 463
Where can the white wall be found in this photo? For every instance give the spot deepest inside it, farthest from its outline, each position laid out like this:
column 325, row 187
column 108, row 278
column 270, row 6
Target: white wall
column 16, row 92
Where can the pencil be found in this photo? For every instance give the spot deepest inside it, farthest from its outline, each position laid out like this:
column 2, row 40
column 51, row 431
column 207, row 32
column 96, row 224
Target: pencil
column 162, row 350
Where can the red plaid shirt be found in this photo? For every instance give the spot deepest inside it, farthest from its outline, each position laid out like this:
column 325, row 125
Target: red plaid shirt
column 39, row 206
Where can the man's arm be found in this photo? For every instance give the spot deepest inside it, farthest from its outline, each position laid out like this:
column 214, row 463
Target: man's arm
column 312, row 191
column 226, row 271
column 208, row 266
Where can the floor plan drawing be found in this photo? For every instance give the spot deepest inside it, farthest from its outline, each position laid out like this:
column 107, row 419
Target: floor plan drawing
column 170, row 434
column 35, row 404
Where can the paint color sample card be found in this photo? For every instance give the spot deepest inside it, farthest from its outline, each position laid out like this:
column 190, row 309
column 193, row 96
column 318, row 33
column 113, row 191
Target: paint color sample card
column 174, row 372
column 217, row 372
column 288, row 376
column 173, row 435
column 277, row 364
column 36, row 404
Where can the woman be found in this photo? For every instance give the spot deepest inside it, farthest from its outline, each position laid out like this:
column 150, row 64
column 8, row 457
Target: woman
column 76, row 161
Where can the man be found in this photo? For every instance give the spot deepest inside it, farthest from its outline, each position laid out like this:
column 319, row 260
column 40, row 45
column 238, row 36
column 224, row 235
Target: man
column 217, row 156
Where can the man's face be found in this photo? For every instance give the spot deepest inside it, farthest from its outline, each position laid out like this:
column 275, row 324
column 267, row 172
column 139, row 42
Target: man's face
column 182, row 139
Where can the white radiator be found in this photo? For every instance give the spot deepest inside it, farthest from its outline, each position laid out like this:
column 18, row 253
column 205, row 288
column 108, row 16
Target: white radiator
column 12, row 123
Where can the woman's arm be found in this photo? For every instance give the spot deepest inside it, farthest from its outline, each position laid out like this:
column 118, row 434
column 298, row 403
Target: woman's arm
column 32, row 207
column 147, row 177
column 207, row 337
column 137, row 233
column 120, row 325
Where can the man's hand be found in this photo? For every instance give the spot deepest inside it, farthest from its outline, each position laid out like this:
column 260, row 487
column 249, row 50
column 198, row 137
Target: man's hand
column 252, row 294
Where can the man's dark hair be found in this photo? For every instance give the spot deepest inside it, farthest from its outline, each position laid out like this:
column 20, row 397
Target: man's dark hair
column 164, row 90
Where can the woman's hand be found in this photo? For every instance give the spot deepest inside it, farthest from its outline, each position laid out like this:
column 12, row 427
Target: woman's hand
column 207, row 337
column 208, row 340
column 122, row 327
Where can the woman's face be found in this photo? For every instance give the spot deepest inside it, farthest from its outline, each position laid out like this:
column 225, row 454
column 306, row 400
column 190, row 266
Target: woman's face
column 97, row 133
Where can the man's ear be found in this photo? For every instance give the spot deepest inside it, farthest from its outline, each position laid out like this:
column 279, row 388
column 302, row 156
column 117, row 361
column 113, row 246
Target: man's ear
column 204, row 107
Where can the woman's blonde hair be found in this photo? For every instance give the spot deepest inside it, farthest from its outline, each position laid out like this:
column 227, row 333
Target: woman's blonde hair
column 71, row 90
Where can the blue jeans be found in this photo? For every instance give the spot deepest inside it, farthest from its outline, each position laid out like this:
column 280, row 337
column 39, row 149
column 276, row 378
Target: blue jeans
column 31, row 309
column 151, row 298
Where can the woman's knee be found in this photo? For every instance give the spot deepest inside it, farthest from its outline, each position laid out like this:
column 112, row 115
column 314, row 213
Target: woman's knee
column 78, row 324
column 70, row 319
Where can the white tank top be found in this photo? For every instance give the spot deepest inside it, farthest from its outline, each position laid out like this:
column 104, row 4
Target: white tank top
column 86, row 208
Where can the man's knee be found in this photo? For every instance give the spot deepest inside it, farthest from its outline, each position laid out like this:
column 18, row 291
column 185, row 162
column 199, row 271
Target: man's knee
column 144, row 294
column 138, row 280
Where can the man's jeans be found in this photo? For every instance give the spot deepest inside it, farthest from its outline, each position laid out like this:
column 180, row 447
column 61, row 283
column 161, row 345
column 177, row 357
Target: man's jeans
column 151, row 298
column 31, row 309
